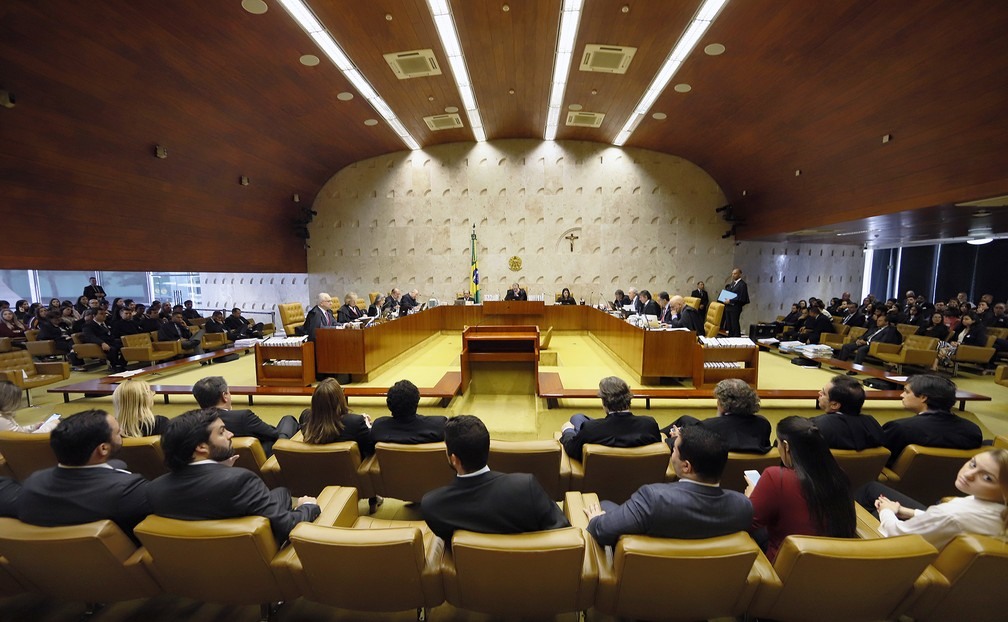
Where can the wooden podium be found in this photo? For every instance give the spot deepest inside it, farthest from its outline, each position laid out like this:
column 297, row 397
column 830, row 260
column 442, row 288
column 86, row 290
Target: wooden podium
column 285, row 365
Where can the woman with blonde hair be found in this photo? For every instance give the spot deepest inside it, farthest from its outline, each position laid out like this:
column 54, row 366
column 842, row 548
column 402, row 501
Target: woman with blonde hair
column 984, row 478
column 329, row 420
column 10, row 401
column 132, row 401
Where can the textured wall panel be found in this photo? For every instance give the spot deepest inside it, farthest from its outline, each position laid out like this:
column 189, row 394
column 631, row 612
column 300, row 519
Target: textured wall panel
column 404, row 220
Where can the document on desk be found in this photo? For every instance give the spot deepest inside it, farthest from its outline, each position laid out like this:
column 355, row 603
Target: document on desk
column 726, row 295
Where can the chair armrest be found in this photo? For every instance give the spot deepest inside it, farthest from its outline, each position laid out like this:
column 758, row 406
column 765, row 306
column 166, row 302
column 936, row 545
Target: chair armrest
column 136, row 353
column 42, row 348
column 57, row 368
column 174, row 347
column 339, row 506
column 867, row 526
column 574, row 505
column 13, row 376
column 888, row 475
column 877, row 347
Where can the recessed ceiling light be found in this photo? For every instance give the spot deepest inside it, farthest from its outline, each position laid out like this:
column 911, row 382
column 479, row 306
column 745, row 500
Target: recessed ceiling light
column 505, row 8
column 575, row 107
column 980, row 213
column 309, row 60
column 625, row 8
column 388, row 17
column 430, row 98
column 660, row 116
column 511, row 91
column 255, row 7
column 451, row 109
column 345, row 96
column 797, row 172
column 682, row 87
column 714, row 49
column 370, row 122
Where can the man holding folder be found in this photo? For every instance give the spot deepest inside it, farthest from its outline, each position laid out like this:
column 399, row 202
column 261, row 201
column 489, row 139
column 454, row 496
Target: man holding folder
column 735, row 295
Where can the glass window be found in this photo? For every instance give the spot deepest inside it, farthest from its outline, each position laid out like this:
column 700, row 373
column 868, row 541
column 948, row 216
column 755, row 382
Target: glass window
column 14, row 286
column 62, row 284
column 177, row 287
column 125, row 285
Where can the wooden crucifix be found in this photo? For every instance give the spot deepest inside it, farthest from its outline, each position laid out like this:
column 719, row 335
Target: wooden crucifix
column 571, row 238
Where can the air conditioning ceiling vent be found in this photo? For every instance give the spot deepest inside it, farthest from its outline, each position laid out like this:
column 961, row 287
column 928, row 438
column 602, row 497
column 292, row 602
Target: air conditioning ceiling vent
column 413, row 64
column 585, row 119
column 606, row 58
column 443, row 122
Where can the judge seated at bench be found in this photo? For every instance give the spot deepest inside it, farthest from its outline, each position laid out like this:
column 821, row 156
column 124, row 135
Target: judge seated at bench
column 516, row 293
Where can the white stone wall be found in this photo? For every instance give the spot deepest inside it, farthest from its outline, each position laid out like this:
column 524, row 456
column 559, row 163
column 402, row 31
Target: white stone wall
column 255, row 294
column 779, row 274
column 404, row 220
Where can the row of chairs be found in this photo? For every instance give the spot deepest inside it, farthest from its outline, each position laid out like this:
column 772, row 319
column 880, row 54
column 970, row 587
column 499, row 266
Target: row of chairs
column 407, row 472
column 359, row 563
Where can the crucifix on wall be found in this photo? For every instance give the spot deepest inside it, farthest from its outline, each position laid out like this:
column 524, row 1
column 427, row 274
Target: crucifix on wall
column 571, row 239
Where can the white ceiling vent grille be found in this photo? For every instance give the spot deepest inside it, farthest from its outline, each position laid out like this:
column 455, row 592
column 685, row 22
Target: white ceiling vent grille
column 606, row 58
column 585, row 119
column 444, row 122
column 413, row 64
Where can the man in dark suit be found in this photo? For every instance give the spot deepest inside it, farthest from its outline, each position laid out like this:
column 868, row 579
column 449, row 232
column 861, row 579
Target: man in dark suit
column 409, row 301
column 701, row 293
column 815, row 325
column 405, row 426
column 215, row 324
column 737, row 421
column 733, row 307
column 151, row 320
column 482, row 500
column 619, row 428
column 203, row 485
column 515, row 293
column 683, row 315
column 212, row 392
column 124, row 324
column 931, row 398
column 349, row 312
column 188, row 312
column 94, row 291
column 244, row 328
column 84, row 487
column 391, row 304
column 694, row 507
column 885, row 331
column 635, row 301
column 852, row 316
column 177, row 330
column 56, row 331
column 620, row 300
column 648, row 306
column 319, row 316
column 95, row 331
column 10, row 493
column 842, row 424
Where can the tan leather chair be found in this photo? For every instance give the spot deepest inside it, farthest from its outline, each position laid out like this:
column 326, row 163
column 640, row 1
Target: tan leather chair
column 9, row 585
column 692, row 301
column 230, row 561
column 839, row 335
column 973, row 355
column 1001, row 375
column 712, row 323
column 26, row 453
column 862, row 466
column 372, row 296
column 408, row 472
column 615, row 473
column 86, row 350
column 925, row 473
column 92, row 563
column 732, row 477
column 5, row 344
column 214, row 341
column 306, row 469
column 544, row 343
column 251, row 456
column 545, row 459
column 18, row 368
column 40, row 349
column 1001, row 441
column 841, row 579
column 853, row 334
column 139, row 349
column 143, row 455
column 377, row 565
column 536, row 574
column 292, row 316
column 916, row 350
column 970, row 565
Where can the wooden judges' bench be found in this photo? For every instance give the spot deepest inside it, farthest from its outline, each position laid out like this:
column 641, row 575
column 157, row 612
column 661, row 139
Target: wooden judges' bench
column 650, row 354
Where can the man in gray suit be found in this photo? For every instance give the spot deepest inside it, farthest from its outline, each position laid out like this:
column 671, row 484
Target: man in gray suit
column 694, row 507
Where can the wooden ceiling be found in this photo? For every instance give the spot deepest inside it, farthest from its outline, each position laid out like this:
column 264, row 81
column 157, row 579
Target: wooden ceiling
column 803, row 86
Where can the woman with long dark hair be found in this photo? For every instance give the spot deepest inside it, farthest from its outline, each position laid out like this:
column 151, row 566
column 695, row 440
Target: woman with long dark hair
column 935, row 327
column 809, row 495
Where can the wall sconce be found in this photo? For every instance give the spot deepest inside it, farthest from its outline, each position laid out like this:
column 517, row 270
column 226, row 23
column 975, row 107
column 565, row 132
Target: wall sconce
column 243, row 180
column 297, row 198
column 160, row 152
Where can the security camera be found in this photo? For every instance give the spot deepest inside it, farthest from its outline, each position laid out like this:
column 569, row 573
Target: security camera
column 7, row 99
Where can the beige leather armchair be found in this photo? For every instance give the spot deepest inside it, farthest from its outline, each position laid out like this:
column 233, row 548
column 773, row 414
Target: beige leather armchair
column 26, row 453
column 251, row 456
column 408, row 472
column 18, row 368
column 292, row 316
column 916, row 350
column 306, row 469
column 545, row 459
column 615, row 473
column 364, row 564
column 973, row 355
column 842, row 579
column 143, row 455
column 712, row 323
column 92, row 563
column 835, row 340
column 839, row 335
column 140, row 349
column 1001, row 375
column 732, row 477
column 927, row 473
column 536, row 574
column 86, row 350
column 862, row 466
column 969, row 566
column 40, row 349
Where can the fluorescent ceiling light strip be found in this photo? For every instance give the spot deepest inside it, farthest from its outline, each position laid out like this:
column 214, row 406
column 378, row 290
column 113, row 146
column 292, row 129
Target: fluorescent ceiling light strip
column 445, row 25
column 704, row 17
column 570, row 20
column 303, row 15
